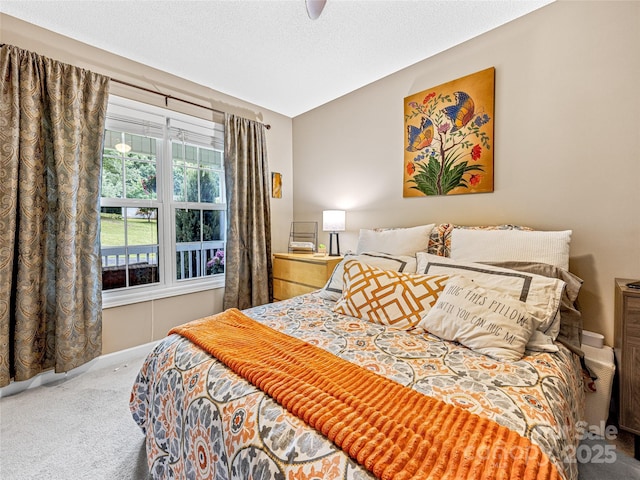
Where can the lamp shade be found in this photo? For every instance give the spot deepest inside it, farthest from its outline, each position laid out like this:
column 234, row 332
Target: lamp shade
column 123, row 147
column 333, row 220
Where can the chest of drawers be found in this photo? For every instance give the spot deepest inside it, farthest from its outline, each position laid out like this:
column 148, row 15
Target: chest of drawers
column 627, row 350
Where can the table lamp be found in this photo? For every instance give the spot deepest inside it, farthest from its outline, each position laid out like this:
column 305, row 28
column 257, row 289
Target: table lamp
column 333, row 221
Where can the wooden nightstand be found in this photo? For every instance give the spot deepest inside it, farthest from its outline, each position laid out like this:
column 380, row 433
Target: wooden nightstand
column 298, row 273
column 627, row 350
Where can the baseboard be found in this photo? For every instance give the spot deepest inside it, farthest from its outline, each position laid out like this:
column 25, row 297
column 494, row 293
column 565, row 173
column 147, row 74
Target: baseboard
column 108, row 360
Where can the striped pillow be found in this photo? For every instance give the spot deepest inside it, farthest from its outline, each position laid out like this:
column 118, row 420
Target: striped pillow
column 400, row 263
column 507, row 245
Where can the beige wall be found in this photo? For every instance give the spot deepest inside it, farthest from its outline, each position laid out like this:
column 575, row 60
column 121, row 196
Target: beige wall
column 566, row 142
column 140, row 323
column 566, row 147
column 132, row 325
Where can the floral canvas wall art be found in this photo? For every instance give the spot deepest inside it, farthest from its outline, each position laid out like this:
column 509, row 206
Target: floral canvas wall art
column 448, row 143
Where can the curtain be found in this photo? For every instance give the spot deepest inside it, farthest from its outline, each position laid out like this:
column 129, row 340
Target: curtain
column 51, row 130
column 248, row 250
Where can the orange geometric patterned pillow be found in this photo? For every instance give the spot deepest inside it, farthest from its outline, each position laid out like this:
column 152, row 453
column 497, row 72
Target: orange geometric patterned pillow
column 387, row 297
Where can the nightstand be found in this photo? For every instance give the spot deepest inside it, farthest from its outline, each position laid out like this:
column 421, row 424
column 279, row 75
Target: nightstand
column 627, row 350
column 298, row 273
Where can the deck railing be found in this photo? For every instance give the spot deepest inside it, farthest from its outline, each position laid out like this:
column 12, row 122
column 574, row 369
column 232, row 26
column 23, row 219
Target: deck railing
column 117, row 256
column 191, row 258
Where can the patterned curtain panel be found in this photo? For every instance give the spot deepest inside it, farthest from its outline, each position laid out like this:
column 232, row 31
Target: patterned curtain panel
column 248, row 250
column 51, row 130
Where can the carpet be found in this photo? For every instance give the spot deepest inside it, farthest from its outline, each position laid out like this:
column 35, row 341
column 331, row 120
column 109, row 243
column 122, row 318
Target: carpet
column 602, row 460
column 74, row 429
column 80, row 428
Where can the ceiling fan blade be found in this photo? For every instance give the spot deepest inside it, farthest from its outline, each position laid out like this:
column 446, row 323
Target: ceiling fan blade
column 314, row 8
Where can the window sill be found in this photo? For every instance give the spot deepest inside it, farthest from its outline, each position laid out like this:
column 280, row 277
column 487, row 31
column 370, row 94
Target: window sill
column 111, row 299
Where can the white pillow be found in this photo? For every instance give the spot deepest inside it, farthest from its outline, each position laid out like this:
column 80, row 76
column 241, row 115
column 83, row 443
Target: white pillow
column 396, row 241
column 490, row 323
column 542, row 294
column 334, row 286
column 511, row 245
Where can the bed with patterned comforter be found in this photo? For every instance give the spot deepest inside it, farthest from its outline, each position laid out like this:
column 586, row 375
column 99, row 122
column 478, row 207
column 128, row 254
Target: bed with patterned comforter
column 203, row 421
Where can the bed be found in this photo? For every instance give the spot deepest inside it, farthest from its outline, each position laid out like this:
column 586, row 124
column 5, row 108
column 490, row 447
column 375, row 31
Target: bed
column 202, row 419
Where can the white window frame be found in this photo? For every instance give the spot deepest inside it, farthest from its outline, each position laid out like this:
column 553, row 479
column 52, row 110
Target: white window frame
column 150, row 118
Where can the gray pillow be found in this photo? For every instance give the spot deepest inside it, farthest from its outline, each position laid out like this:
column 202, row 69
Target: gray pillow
column 570, row 316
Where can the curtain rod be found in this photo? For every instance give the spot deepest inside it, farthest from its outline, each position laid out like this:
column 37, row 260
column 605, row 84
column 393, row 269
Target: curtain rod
column 167, row 97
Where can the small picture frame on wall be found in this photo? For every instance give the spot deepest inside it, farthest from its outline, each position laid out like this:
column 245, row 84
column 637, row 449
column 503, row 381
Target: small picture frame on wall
column 276, row 185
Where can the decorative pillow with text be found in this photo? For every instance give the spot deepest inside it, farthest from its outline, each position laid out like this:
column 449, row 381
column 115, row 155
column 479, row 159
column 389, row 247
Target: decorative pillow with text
column 542, row 294
column 493, row 324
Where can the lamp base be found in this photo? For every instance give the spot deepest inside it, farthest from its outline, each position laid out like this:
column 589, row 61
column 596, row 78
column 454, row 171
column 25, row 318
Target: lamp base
column 331, row 254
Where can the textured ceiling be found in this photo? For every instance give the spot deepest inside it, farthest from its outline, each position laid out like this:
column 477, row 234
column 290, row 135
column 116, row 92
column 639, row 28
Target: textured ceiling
column 269, row 52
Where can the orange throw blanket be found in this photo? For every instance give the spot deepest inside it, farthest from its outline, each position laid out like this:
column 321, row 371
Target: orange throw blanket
column 393, row 431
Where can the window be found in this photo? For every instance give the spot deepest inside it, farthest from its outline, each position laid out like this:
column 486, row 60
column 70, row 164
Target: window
column 162, row 204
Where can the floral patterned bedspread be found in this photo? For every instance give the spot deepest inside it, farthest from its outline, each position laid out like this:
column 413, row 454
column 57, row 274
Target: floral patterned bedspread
column 202, row 421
